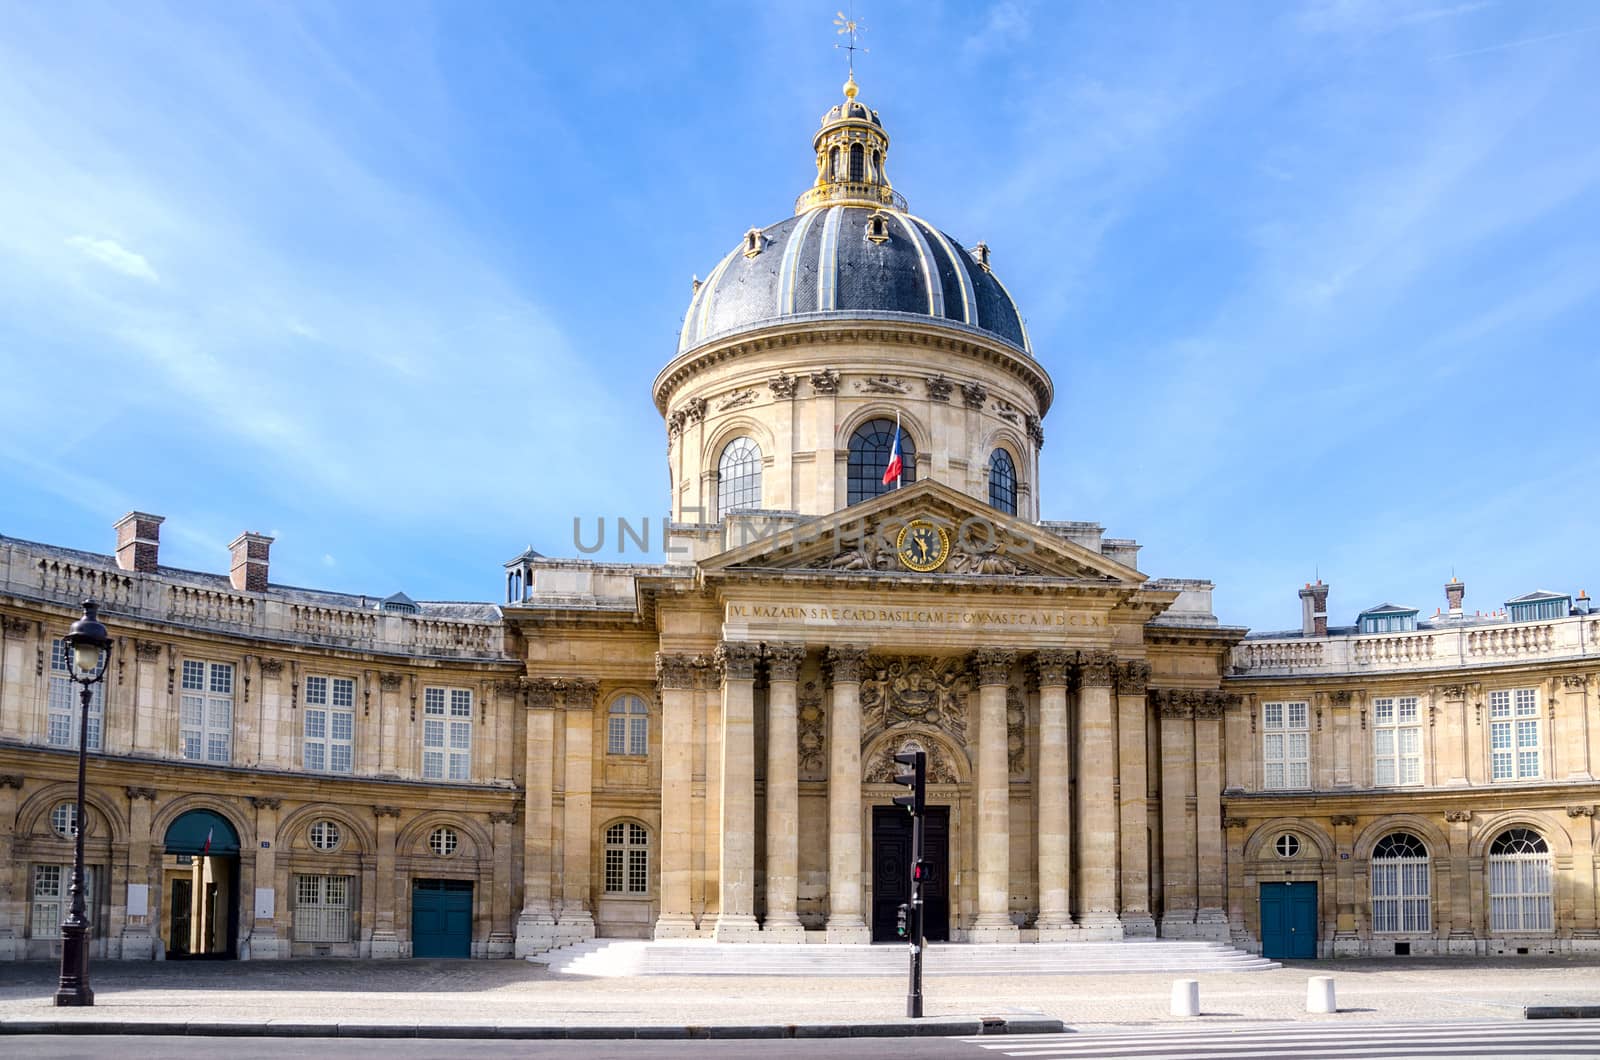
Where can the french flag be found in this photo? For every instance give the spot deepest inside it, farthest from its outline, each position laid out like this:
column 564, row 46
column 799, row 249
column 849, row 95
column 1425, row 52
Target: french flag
column 892, row 472
column 207, row 848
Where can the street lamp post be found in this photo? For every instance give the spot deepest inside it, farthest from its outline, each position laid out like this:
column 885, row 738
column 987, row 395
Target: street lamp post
column 88, row 652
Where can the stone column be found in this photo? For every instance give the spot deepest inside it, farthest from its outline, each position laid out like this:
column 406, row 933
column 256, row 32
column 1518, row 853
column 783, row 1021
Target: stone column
column 1054, row 799
column 675, row 673
column 1097, row 804
column 782, row 923
column 264, row 941
column 993, row 667
column 385, row 942
column 501, row 941
column 1211, row 917
column 845, row 923
column 736, row 874
column 1133, row 679
column 536, row 924
column 12, row 944
column 576, row 921
column 1346, row 941
column 1177, row 849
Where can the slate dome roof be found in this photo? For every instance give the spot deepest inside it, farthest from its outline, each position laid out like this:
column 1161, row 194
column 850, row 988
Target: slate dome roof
column 822, row 265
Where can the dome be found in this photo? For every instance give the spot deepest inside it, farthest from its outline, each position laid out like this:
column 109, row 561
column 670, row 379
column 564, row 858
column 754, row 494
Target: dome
column 851, row 252
column 851, row 262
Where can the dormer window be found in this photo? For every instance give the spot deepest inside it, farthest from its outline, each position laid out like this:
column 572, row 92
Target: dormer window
column 878, row 228
column 1388, row 618
column 981, row 252
column 753, row 243
column 1539, row 606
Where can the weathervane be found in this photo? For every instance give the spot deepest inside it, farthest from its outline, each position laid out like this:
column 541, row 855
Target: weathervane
column 849, row 24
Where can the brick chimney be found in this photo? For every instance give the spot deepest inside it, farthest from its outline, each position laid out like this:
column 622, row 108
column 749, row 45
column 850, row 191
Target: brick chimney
column 1454, row 591
column 249, row 573
column 138, row 541
column 1314, row 609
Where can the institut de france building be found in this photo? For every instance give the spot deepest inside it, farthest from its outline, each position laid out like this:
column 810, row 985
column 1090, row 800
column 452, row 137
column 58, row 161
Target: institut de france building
column 702, row 748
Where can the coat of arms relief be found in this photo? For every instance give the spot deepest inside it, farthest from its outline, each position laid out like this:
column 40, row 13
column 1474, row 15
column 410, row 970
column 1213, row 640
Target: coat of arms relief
column 901, row 691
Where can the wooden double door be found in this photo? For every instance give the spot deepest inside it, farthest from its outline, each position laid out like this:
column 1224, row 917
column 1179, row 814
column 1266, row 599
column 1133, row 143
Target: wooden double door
column 891, row 871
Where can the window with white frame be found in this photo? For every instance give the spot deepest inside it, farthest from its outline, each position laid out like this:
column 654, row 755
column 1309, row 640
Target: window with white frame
column 627, row 859
column 205, row 722
column 1519, row 882
column 739, row 476
column 64, row 820
column 65, row 701
column 330, row 724
column 446, row 733
column 322, row 909
column 52, row 897
column 1400, row 891
column 628, row 727
column 1396, row 741
column 1514, row 734
column 1285, row 745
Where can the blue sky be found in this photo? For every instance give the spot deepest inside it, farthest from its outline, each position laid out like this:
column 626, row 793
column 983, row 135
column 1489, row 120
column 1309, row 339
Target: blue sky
column 1319, row 284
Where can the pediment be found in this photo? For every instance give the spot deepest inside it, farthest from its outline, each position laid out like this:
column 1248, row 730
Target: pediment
column 981, row 543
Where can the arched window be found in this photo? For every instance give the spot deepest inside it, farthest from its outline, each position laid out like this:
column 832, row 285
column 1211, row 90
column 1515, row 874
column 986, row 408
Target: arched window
column 1400, row 891
column 858, row 163
column 1519, row 882
column 628, row 727
column 833, row 163
column 1002, row 482
column 870, row 446
column 739, row 476
column 627, row 859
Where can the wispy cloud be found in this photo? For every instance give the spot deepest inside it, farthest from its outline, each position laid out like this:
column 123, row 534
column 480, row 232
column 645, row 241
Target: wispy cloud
column 114, row 255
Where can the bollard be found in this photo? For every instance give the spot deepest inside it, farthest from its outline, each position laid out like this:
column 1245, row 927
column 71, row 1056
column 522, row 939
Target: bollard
column 1186, row 997
column 1319, row 994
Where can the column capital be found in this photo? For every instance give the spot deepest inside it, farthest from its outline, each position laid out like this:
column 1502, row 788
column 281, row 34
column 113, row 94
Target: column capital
column 151, row 649
column 844, row 663
column 1054, row 666
column 11, row 780
column 675, row 671
column 541, row 692
column 1133, row 677
column 579, row 692
column 264, row 802
column 387, row 682
column 737, row 659
column 133, row 793
column 784, row 660
column 993, row 665
column 1096, row 669
column 16, row 627
column 1171, row 703
column 386, row 811
column 503, row 817
column 1211, row 704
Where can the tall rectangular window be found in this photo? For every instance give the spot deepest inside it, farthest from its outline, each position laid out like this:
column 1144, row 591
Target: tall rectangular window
column 1514, row 747
column 322, row 909
column 1285, row 745
column 1396, row 741
column 330, row 724
column 52, row 898
column 446, row 733
column 64, row 703
column 205, row 722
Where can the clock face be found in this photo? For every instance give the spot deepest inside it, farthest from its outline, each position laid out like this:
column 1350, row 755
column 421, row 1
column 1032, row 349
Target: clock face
column 922, row 546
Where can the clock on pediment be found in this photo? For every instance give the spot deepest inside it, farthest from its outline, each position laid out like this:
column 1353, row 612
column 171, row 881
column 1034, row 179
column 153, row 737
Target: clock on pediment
column 922, row 546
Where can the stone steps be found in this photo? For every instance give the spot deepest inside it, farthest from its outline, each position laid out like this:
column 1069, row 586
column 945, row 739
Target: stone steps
column 628, row 957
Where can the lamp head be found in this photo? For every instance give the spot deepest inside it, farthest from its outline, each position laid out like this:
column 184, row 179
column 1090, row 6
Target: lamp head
column 89, row 644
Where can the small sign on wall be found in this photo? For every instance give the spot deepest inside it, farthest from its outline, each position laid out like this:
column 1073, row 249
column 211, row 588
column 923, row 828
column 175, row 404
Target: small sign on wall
column 138, row 899
column 266, row 903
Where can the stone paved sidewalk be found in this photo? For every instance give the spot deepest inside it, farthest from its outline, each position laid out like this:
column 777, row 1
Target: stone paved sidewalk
column 487, row 993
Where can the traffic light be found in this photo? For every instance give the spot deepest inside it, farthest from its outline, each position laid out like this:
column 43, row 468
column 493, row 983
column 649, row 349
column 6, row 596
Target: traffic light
column 915, row 780
column 902, row 920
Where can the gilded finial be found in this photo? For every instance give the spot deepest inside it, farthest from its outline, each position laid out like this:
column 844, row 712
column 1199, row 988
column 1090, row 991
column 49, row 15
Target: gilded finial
column 851, row 89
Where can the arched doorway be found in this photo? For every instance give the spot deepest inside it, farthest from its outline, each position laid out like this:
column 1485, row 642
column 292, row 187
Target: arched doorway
column 200, row 878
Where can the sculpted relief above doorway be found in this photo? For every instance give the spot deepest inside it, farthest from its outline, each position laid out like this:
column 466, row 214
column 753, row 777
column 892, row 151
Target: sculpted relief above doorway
column 901, row 691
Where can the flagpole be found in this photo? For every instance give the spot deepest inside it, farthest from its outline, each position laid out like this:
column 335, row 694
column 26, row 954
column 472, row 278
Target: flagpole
column 900, row 451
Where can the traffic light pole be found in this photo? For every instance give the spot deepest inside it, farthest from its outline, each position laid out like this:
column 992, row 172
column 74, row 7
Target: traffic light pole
column 914, row 996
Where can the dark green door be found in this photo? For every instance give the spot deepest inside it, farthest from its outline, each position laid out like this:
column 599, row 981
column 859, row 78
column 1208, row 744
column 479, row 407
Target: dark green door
column 441, row 918
column 1289, row 920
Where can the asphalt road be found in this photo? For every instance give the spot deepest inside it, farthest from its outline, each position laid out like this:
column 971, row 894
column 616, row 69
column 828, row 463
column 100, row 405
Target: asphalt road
column 136, row 1047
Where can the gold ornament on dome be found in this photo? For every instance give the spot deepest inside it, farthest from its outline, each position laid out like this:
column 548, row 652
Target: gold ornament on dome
column 922, row 546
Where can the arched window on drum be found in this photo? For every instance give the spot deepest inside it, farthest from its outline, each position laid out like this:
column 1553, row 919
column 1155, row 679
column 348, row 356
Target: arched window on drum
column 870, row 448
column 1519, row 882
column 1400, row 888
column 739, row 476
column 1002, row 482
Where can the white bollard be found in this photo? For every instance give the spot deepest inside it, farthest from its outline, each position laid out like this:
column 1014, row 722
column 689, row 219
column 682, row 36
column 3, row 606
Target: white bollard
column 1186, row 997
column 1319, row 994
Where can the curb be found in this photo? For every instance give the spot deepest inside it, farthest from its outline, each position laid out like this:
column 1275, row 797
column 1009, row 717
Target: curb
column 216, row 1029
column 1561, row 1012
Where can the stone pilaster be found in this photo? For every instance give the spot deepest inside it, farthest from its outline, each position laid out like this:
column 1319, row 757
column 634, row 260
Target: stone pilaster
column 845, row 923
column 1054, row 799
column 502, row 942
column 1463, row 915
column 12, row 945
column 265, row 941
column 1133, row 803
column 675, row 674
column 1211, row 914
column 1097, row 825
column 993, row 669
column 13, row 655
column 1577, row 736
column 1178, row 869
column 385, row 942
column 1452, row 740
column 138, row 940
column 1346, row 940
column 536, row 924
column 576, row 920
column 736, row 875
column 782, row 923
